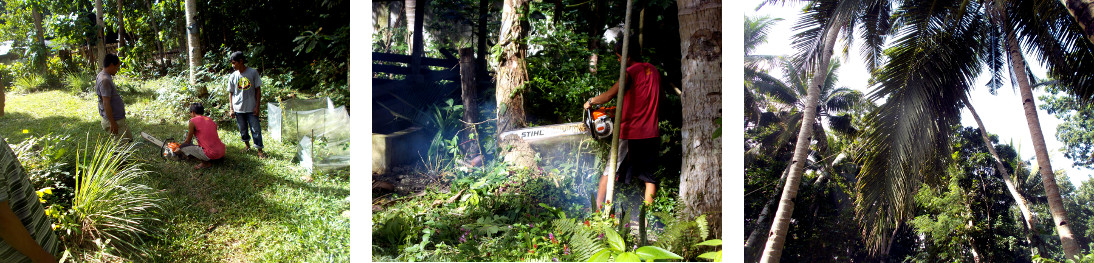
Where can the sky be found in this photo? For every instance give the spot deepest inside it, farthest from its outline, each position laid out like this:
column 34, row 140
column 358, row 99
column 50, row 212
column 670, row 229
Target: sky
column 1002, row 113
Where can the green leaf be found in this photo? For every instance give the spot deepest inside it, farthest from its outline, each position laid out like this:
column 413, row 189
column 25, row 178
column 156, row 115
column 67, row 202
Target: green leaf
column 602, row 256
column 655, row 253
column 614, row 240
column 715, row 256
column 627, row 257
column 712, row 242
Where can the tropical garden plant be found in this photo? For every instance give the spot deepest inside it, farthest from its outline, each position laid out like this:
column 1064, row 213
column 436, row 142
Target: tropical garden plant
column 111, row 204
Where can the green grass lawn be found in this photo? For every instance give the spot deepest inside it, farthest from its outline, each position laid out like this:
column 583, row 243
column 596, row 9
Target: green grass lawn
column 243, row 210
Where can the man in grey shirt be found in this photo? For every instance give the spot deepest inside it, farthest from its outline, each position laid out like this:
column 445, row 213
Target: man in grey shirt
column 111, row 107
column 245, row 94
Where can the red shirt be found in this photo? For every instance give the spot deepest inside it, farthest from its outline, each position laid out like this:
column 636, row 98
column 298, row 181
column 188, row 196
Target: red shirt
column 640, row 102
column 205, row 130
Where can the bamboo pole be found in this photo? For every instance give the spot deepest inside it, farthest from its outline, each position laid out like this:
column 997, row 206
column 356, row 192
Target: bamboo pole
column 613, row 161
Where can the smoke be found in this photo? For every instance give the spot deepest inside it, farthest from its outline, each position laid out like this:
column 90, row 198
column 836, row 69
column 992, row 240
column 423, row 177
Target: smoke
column 574, row 164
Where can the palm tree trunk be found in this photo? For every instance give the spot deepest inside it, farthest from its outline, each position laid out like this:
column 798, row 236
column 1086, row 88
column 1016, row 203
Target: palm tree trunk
column 194, row 44
column 1083, row 12
column 1029, row 217
column 100, row 48
column 1055, row 202
column 754, row 236
column 777, row 236
column 511, row 72
column 701, row 66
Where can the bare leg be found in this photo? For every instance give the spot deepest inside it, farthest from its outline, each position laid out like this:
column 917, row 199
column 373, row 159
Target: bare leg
column 600, row 192
column 650, row 190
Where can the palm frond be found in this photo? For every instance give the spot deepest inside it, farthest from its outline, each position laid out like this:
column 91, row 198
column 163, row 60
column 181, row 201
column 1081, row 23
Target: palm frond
column 1047, row 31
column 876, row 25
column 756, row 30
column 844, row 100
column 768, row 85
column 842, row 124
column 930, row 68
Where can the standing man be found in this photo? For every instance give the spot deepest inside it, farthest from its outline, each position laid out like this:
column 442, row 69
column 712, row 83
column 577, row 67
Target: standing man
column 111, row 106
column 245, row 94
column 639, row 140
column 25, row 233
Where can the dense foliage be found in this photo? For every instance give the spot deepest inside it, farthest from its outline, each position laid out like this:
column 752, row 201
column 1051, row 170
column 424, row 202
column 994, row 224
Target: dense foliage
column 304, row 44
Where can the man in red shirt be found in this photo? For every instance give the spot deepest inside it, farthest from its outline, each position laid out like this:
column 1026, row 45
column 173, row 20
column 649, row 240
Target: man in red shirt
column 639, row 140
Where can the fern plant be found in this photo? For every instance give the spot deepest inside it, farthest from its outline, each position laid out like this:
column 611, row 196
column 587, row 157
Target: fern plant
column 583, row 239
column 679, row 234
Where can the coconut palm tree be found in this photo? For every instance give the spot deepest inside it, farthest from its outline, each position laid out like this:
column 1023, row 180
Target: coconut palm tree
column 821, row 25
column 783, row 107
column 932, row 67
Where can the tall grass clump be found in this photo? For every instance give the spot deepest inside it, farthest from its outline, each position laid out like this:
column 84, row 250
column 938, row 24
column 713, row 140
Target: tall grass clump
column 79, row 82
column 111, row 206
column 29, row 83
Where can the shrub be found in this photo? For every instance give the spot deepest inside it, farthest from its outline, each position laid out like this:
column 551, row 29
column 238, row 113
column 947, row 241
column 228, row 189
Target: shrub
column 111, row 206
column 28, row 83
column 79, row 82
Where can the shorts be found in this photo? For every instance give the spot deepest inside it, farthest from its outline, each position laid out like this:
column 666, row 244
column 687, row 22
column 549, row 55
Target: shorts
column 637, row 159
column 195, row 151
column 123, row 128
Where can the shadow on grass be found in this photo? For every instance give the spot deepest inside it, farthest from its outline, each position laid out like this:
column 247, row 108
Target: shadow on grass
column 244, row 209
column 15, row 122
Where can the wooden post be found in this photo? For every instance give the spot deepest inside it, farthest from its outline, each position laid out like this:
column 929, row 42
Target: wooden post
column 470, row 103
column 418, row 48
column 613, row 161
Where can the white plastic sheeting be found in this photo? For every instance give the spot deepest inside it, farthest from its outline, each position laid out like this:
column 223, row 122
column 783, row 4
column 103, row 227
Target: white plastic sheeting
column 320, row 130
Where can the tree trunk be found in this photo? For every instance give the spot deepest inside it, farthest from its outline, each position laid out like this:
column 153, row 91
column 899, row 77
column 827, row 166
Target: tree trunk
column 701, row 64
column 99, row 26
column 121, row 27
column 410, row 7
column 39, row 40
column 511, row 72
column 480, row 54
column 470, row 140
column 1029, row 218
column 761, row 224
column 159, row 43
column 1048, row 179
column 777, row 236
column 194, row 43
column 1083, row 12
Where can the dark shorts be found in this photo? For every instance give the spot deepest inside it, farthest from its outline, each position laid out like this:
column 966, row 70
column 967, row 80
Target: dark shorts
column 637, row 159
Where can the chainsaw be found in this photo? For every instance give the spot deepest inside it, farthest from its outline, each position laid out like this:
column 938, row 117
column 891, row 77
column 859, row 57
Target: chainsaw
column 168, row 147
column 597, row 123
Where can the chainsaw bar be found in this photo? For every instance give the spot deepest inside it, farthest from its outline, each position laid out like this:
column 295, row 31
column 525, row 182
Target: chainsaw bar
column 548, row 131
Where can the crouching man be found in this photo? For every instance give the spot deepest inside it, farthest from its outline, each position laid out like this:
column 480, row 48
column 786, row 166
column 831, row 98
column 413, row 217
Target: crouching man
column 209, row 147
